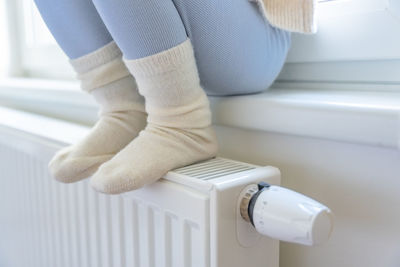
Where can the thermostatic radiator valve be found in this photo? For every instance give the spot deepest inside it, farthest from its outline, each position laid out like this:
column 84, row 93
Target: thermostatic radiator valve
column 286, row 215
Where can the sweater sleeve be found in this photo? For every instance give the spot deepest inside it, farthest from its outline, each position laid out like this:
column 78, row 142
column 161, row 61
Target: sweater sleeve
column 290, row 15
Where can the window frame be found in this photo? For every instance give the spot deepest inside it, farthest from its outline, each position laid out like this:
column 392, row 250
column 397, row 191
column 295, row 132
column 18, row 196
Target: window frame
column 358, row 56
column 40, row 61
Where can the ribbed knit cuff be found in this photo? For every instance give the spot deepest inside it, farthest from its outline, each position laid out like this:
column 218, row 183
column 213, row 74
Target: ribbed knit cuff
column 290, row 15
column 170, row 84
column 165, row 61
column 100, row 67
column 96, row 58
column 103, row 75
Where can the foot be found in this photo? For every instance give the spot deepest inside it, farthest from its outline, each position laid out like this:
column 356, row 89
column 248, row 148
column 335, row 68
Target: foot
column 179, row 129
column 110, row 134
column 152, row 154
column 104, row 75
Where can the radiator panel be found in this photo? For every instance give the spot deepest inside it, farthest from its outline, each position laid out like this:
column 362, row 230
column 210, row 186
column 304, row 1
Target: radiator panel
column 45, row 223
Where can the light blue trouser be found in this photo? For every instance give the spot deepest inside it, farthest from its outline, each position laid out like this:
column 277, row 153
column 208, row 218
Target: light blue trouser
column 236, row 51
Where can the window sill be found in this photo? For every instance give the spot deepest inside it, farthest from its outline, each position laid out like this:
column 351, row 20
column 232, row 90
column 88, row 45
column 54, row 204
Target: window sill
column 363, row 117
column 359, row 117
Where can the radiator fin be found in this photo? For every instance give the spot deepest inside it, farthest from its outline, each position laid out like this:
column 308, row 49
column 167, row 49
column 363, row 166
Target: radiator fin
column 214, row 168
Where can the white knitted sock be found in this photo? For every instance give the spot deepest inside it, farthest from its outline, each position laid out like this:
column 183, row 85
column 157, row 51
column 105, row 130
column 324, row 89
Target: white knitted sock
column 179, row 130
column 122, row 115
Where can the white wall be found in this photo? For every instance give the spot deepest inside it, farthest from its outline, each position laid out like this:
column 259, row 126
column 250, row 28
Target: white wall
column 361, row 184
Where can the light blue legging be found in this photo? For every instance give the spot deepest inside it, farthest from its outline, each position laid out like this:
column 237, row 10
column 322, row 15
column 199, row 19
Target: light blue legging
column 236, row 51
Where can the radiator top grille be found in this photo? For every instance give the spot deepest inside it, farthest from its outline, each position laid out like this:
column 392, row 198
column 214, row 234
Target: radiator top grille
column 214, row 168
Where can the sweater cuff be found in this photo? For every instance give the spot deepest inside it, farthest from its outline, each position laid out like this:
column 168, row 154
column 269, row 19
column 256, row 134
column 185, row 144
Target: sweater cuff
column 290, row 15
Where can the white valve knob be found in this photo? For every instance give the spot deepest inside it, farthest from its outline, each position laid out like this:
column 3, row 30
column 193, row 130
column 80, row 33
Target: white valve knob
column 286, row 215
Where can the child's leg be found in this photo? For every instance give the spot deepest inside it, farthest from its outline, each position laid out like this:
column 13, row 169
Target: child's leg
column 97, row 60
column 159, row 55
column 75, row 24
column 142, row 27
column 237, row 52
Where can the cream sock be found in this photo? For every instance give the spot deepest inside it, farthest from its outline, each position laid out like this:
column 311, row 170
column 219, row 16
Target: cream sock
column 179, row 130
column 122, row 115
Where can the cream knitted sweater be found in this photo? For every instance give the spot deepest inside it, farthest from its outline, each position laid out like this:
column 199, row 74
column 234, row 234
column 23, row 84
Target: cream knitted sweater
column 291, row 15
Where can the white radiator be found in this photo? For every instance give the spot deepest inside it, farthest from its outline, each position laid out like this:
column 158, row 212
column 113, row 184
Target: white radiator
column 189, row 218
